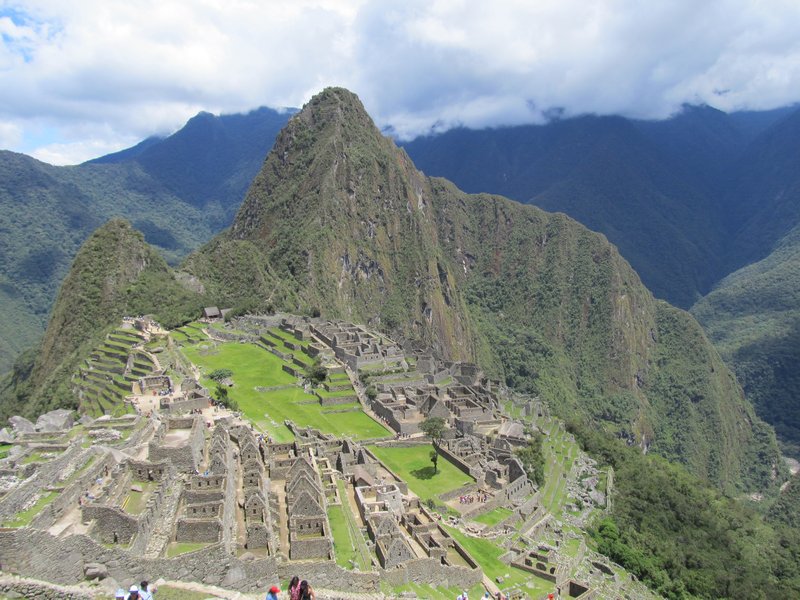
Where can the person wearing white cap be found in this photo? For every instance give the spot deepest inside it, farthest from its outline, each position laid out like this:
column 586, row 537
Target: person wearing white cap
column 133, row 593
column 120, row 595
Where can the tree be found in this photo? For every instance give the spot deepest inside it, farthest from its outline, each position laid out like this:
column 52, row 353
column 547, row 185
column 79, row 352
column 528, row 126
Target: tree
column 316, row 373
column 433, row 428
column 220, row 374
column 532, row 459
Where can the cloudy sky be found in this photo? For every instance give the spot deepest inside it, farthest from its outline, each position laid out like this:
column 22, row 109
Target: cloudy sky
column 80, row 78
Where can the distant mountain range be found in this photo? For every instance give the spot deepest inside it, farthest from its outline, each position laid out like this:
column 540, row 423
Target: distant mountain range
column 687, row 201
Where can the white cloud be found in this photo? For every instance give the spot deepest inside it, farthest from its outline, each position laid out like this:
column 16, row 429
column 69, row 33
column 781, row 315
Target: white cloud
column 119, row 71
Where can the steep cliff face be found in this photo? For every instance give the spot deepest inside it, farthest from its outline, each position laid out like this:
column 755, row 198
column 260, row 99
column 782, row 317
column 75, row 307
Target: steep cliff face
column 339, row 222
column 343, row 221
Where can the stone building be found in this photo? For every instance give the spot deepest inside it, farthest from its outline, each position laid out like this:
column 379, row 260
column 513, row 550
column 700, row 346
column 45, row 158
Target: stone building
column 309, row 530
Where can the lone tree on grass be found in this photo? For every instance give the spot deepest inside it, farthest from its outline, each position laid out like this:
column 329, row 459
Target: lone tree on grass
column 433, row 427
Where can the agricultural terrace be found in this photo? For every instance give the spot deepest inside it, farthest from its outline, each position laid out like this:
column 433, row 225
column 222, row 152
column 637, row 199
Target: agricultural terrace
column 559, row 454
column 267, row 395
column 413, row 465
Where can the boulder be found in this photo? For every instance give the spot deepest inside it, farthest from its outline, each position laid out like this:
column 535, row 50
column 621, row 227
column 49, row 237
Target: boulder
column 55, row 420
column 247, row 556
column 5, row 436
column 136, row 488
column 21, row 425
column 95, row 571
column 85, row 420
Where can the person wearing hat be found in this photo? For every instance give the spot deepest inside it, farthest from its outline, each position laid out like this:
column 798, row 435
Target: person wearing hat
column 133, row 593
column 120, row 595
column 273, row 592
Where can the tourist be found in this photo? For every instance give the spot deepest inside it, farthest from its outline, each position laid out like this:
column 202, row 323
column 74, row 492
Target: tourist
column 306, row 591
column 145, row 592
column 273, row 592
column 133, row 593
column 294, row 588
column 120, row 595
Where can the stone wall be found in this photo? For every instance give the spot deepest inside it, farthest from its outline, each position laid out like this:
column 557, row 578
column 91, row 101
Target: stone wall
column 46, row 476
column 60, row 560
column 186, row 457
column 68, row 498
column 198, row 530
column 112, row 524
column 38, row 590
column 429, row 571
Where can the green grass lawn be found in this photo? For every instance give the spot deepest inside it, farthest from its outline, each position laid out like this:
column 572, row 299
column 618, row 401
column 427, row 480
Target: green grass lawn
column 424, row 592
column 254, row 367
column 136, row 502
column 5, row 449
column 26, row 516
column 176, row 548
column 413, row 464
column 493, row 517
column 167, row 592
column 487, row 555
column 343, row 544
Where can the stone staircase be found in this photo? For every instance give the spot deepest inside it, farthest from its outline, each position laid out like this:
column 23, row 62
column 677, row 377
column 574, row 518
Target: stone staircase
column 162, row 527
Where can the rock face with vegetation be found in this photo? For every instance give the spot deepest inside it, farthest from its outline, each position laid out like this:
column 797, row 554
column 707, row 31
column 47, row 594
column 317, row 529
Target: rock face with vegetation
column 340, row 222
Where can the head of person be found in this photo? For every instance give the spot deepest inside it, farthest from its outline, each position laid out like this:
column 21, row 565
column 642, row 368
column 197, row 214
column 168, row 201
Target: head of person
column 294, row 582
column 133, row 592
column 303, row 588
column 274, row 590
column 120, row 594
column 143, row 586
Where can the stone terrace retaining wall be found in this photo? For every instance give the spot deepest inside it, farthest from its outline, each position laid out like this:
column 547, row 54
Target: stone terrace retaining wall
column 46, row 476
column 61, row 560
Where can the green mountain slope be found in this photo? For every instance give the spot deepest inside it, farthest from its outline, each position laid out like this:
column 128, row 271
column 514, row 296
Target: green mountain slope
column 753, row 317
column 114, row 274
column 178, row 191
column 339, row 222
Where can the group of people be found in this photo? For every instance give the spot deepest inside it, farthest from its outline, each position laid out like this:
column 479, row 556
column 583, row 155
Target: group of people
column 143, row 591
column 470, row 498
column 298, row 590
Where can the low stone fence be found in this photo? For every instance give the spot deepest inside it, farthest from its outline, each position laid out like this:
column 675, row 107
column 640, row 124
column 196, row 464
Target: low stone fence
column 39, row 590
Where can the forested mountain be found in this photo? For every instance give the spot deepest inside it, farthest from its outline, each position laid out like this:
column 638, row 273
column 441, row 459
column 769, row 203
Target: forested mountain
column 753, row 317
column 178, row 191
column 339, row 222
column 686, row 200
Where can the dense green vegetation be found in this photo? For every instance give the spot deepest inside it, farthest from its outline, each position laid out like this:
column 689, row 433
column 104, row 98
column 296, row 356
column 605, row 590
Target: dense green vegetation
column 754, row 318
column 683, row 538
